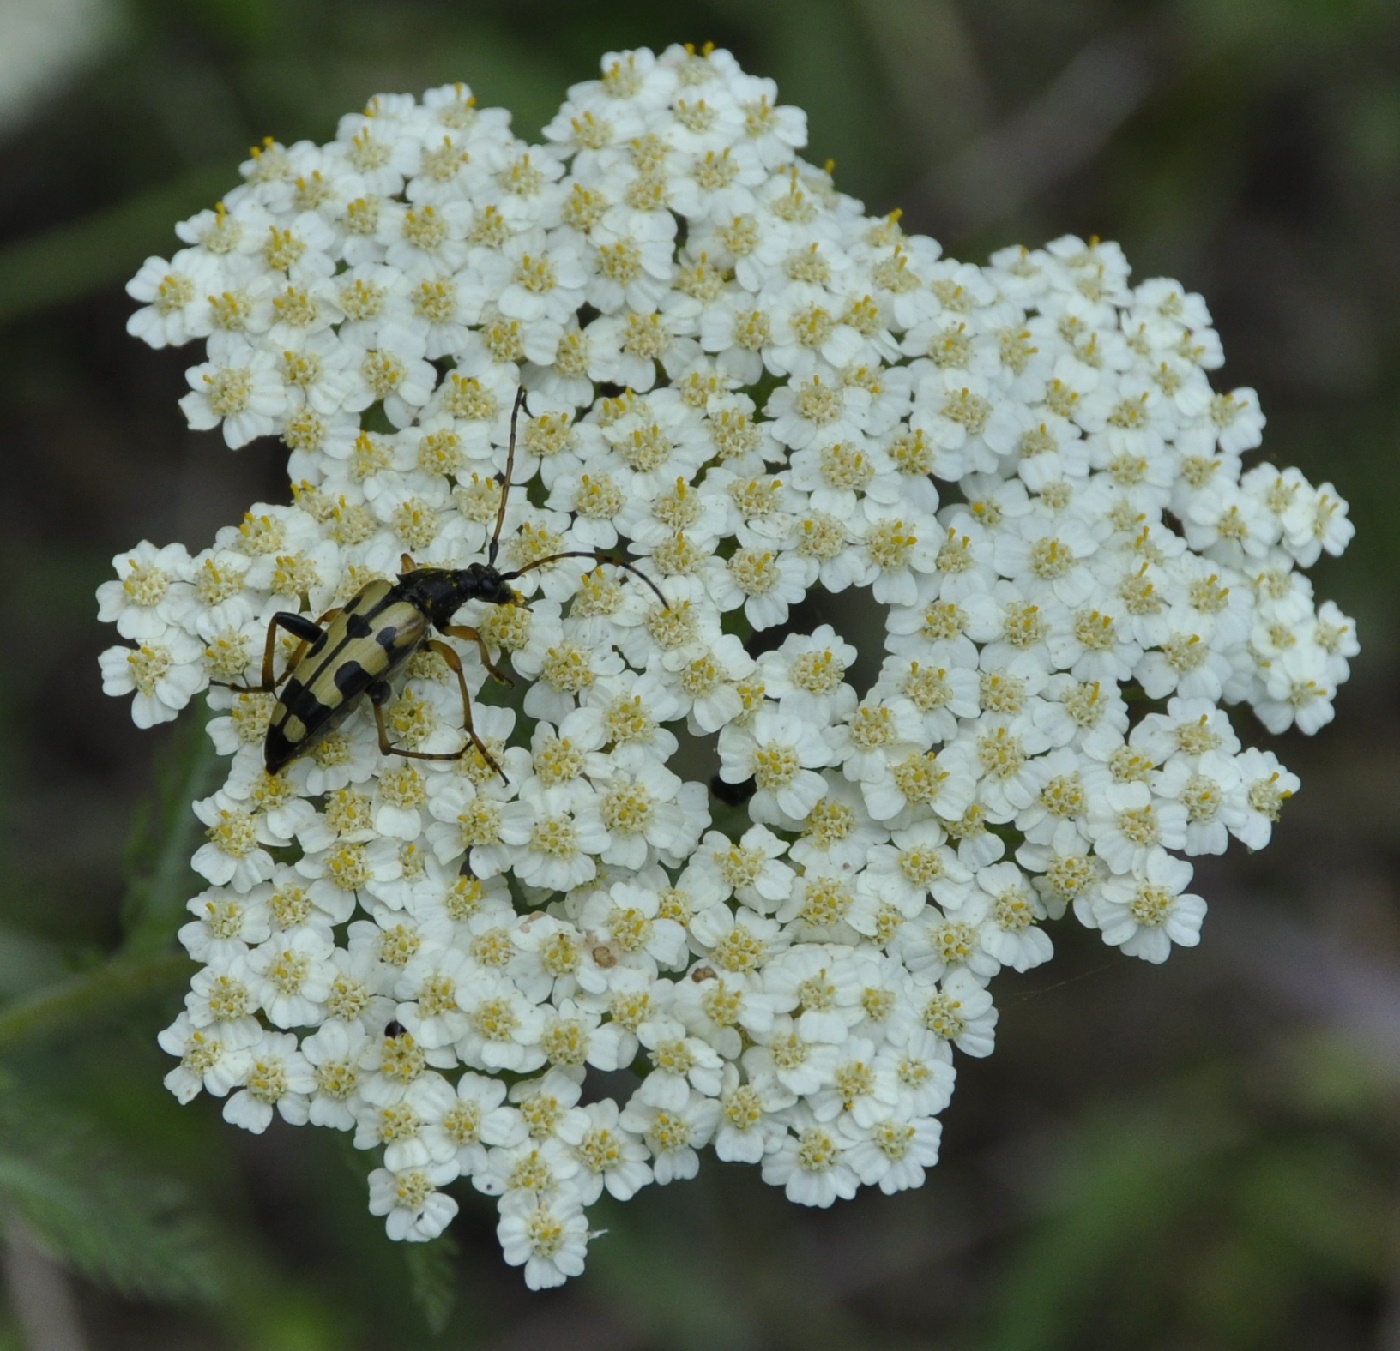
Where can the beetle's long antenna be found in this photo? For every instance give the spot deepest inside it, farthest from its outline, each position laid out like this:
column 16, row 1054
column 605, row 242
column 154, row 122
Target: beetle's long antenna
column 505, row 488
column 597, row 558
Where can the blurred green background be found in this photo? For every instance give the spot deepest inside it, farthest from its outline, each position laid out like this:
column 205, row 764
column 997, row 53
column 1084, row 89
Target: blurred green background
column 1205, row 1155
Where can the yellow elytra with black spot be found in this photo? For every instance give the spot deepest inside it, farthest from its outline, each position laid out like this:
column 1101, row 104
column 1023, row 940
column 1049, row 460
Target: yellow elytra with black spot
column 369, row 640
column 364, row 645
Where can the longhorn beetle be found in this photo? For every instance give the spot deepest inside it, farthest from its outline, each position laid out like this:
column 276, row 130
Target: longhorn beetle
column 359, row 648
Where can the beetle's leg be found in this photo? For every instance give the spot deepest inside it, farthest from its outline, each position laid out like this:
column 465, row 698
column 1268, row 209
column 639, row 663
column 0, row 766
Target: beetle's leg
column 471, row 635
column 449, row 655
column 299, row 626
column 598, row 557
column 379, row 696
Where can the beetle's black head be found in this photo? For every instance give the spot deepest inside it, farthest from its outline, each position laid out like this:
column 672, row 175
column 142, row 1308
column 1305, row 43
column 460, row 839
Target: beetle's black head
column 441, row 592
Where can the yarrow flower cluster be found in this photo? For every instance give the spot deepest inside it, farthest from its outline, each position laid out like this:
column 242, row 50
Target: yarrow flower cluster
column 751, row 391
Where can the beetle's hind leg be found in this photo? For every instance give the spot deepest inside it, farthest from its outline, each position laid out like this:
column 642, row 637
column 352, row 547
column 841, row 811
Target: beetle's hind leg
column 379, row 695
column 299, row 626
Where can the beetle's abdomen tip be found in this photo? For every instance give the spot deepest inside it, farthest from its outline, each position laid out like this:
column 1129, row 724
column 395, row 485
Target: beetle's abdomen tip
column 278, row 752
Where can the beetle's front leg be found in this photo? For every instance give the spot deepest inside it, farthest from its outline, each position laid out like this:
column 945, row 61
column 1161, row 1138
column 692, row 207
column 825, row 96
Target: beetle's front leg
column 465, row 631
column 299, row 626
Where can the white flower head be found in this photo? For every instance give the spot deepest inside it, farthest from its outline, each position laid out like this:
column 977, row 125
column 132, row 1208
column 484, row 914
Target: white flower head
column 712, row 638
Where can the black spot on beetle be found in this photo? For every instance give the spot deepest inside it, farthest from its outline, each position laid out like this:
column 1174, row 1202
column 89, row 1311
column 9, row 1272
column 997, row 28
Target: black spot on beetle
column 357, row 626
column 387, row 636
column 350, row 677
column 298, row 700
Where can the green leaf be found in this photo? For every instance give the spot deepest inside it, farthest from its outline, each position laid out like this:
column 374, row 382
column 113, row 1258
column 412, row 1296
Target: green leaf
column 432, row 1279
column 101, row 249
column 98, row 1211
column 97, row 993
column 1130, row 1179
column 166, row 832
column 27, row 962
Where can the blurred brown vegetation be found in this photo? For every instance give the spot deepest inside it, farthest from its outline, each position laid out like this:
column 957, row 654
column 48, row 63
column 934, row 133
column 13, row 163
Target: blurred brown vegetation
column 1204, row 1155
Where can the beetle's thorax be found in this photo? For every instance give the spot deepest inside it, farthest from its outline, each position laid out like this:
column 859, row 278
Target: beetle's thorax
column 441, row 592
